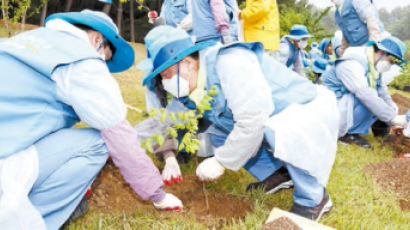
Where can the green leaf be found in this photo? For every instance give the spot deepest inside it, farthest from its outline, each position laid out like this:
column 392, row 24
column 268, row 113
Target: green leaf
column 171, row 131
column 172, row 116
column 152, row 112
column 181, row 147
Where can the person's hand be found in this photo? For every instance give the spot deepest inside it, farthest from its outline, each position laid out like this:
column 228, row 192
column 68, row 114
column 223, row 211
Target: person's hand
column 209, row 169
column 399, row 121
column 395, row 107
column 169, row 203
column 171, row 173
column 227, row 39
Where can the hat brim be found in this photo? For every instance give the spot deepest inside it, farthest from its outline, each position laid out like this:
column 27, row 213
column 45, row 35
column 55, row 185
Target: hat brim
column 123, row 58
column 299, row 37
column 149, row 76
column 317, row 70
column 385, row 49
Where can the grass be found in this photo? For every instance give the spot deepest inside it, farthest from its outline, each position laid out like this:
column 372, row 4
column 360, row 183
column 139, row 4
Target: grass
column 359, row 203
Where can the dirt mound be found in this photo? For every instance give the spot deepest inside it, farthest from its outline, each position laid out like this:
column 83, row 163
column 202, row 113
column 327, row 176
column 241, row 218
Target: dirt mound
column 393, row 175
column 112, row 194
column 402, row 102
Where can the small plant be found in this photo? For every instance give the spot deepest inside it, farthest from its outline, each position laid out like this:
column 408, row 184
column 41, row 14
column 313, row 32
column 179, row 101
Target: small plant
column 403, row 81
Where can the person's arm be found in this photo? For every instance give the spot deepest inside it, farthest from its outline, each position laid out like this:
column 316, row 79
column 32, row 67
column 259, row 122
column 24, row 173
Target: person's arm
column 298, row 64
column 249, row 97
column 256, row 10
column 368, row 14
column 88, row 87
column 220, row 17
column 352, row 75
column 284, row 52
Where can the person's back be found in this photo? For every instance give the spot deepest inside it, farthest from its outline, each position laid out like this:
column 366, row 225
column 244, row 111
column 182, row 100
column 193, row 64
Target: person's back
column 27, row 61
column 261, row 23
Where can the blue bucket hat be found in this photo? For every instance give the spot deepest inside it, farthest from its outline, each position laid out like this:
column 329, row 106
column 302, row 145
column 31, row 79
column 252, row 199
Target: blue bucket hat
column 297, row 32
column 323, row 44
column 166, row 46
column 319, row 65
column 314, row 45
column 392, row 46
column 123, row 57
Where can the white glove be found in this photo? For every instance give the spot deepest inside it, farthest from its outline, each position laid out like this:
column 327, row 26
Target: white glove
column 395, row 107
column 399, row 121
column 186, row 23
column 209, row 169
column 171, row 173
column 170, row 202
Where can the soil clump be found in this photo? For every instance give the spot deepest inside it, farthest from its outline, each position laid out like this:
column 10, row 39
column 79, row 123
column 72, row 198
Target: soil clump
column 281, row 223
column 393, row 175
column 402, row 102
column 113, row 195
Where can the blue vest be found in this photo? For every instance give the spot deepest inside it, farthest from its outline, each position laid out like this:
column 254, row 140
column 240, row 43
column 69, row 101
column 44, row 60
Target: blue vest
column 287, row 87
column 203, row 23
column 293, row 51
column 332, row 82
column 354, row 30
column 29, row 107
column 175, row 11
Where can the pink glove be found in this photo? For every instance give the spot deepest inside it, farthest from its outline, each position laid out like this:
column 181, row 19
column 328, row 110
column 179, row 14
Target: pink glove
column 171, row 173
column 152, row 16
column 169, row 203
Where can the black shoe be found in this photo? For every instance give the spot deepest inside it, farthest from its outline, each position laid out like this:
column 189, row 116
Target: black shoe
column 278, row 180
column 355, row 139
column 313, row 213
column 81, row 209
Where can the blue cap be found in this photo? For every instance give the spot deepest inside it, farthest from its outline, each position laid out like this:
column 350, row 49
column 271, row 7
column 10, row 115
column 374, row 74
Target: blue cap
column 314, row 45
column 319, row 65
column 392, row 46
column 297, row 32
column 323, row 44
column 123, row 57
column 166, row 46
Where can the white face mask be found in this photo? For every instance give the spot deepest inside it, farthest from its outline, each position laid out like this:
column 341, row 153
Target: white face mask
column 171, row 86
column 303, row 44
column 383, row 66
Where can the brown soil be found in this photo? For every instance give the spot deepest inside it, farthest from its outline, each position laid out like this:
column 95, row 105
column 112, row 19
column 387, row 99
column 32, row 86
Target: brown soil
column 281, row 223
column 393, row 175
column 112, row 194
column 398, row 142
column 402, row 102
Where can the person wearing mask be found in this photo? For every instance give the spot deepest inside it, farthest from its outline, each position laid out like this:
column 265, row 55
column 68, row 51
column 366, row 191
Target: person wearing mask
column 53, row 77
column 270, row 124
column 362, row 98
column 291, row 47
column 314, row 52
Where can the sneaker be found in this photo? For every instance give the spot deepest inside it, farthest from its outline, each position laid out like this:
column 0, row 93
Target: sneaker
column 313, row 213
column 355, row 139
column 81, row 209
column 275, row 182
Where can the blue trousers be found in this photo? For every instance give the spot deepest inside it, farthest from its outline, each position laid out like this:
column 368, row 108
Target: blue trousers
column 69, row 161
column 308, row 192
column 363, row 119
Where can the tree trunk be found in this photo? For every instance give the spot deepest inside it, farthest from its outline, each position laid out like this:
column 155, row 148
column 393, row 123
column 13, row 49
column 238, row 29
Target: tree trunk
column 159, row 6
column 119, row 16
column 132, row 35
column 5, row 16
column 43, row 14
column 23, row 20
column 68, row 4
column 107, row 8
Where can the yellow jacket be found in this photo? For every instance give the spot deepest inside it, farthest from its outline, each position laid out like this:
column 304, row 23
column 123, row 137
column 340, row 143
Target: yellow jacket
column 261, row 23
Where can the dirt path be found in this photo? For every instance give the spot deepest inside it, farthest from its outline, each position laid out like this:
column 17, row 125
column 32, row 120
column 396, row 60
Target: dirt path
column 112, row 194
column 393, row 175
